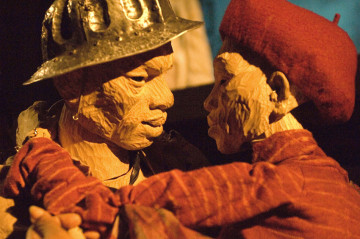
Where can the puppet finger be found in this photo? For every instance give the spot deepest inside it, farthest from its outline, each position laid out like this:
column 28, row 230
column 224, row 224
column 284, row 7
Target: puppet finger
column 35, row 213
column 92, row 235
column 69, row 220
column 76, row 233
column 32, row 234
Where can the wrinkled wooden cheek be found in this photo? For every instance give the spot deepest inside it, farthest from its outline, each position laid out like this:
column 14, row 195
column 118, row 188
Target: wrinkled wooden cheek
column 120, row 95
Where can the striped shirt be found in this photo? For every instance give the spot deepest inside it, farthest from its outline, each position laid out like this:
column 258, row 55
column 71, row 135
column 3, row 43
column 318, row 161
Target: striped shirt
column 291, row 190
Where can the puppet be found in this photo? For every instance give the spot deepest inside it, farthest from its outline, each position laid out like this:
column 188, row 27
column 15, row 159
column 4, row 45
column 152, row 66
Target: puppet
column 270, row 62
column 108, row 60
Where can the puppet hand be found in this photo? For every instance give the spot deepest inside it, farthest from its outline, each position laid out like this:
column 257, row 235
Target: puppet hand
column 46, row 226
column 39, row 132
column 36, row 132
column 38, row 116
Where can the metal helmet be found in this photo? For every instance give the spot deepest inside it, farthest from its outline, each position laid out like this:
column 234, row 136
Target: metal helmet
column 81, row 33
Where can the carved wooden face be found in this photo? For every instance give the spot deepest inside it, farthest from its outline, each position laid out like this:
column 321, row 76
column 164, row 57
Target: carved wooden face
column 239, row 104
column 122, row 101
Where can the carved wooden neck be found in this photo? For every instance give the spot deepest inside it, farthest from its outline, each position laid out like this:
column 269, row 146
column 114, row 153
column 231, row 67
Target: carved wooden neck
column 104, row 159
column 288, row 122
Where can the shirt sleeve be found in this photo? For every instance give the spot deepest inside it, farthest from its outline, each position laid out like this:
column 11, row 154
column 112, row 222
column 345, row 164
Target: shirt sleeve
column 44, row 172
column 218, row 195
column 210, row 196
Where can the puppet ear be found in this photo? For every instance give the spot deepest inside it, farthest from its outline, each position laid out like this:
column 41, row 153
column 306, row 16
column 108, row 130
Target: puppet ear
column 281, row 96
column 280, row 85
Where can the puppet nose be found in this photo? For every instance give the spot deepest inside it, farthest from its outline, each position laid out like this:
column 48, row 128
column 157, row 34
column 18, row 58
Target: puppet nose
column 160, row 94
column 211, row 101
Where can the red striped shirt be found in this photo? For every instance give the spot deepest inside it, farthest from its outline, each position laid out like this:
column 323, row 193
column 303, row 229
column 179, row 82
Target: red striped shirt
column 291, row 190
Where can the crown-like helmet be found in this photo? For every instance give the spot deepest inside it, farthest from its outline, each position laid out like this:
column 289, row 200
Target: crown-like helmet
column 81, row 33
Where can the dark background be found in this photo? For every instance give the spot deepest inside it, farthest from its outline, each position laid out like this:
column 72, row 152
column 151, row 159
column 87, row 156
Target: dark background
column 20, row 55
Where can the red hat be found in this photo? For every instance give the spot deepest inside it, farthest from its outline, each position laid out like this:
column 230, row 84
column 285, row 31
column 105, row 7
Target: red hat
column 315, row 54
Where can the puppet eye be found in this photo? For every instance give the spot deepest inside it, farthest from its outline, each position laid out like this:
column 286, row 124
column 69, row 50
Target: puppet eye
column 223, row 81
column 138, row 78
column 225, row 77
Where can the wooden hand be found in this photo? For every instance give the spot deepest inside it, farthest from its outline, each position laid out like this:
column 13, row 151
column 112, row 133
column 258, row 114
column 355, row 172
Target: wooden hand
column 63, row 226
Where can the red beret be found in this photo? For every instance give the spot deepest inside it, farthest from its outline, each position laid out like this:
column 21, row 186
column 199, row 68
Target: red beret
column 314, row 53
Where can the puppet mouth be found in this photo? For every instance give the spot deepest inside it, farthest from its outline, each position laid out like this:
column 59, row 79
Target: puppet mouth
column 155, row 122
column 211, row 121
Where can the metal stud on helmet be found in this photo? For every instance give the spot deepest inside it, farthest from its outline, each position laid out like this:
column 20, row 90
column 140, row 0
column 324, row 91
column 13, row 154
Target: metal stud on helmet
column 81, row 33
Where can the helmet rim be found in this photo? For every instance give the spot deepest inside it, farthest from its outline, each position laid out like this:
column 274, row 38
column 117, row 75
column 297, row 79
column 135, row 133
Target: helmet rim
column 107, row 50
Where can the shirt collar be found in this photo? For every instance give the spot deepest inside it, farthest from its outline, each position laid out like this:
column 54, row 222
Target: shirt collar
column 284, row 145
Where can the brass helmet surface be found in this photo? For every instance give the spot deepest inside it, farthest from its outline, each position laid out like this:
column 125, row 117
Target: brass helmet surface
column 82, row 33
